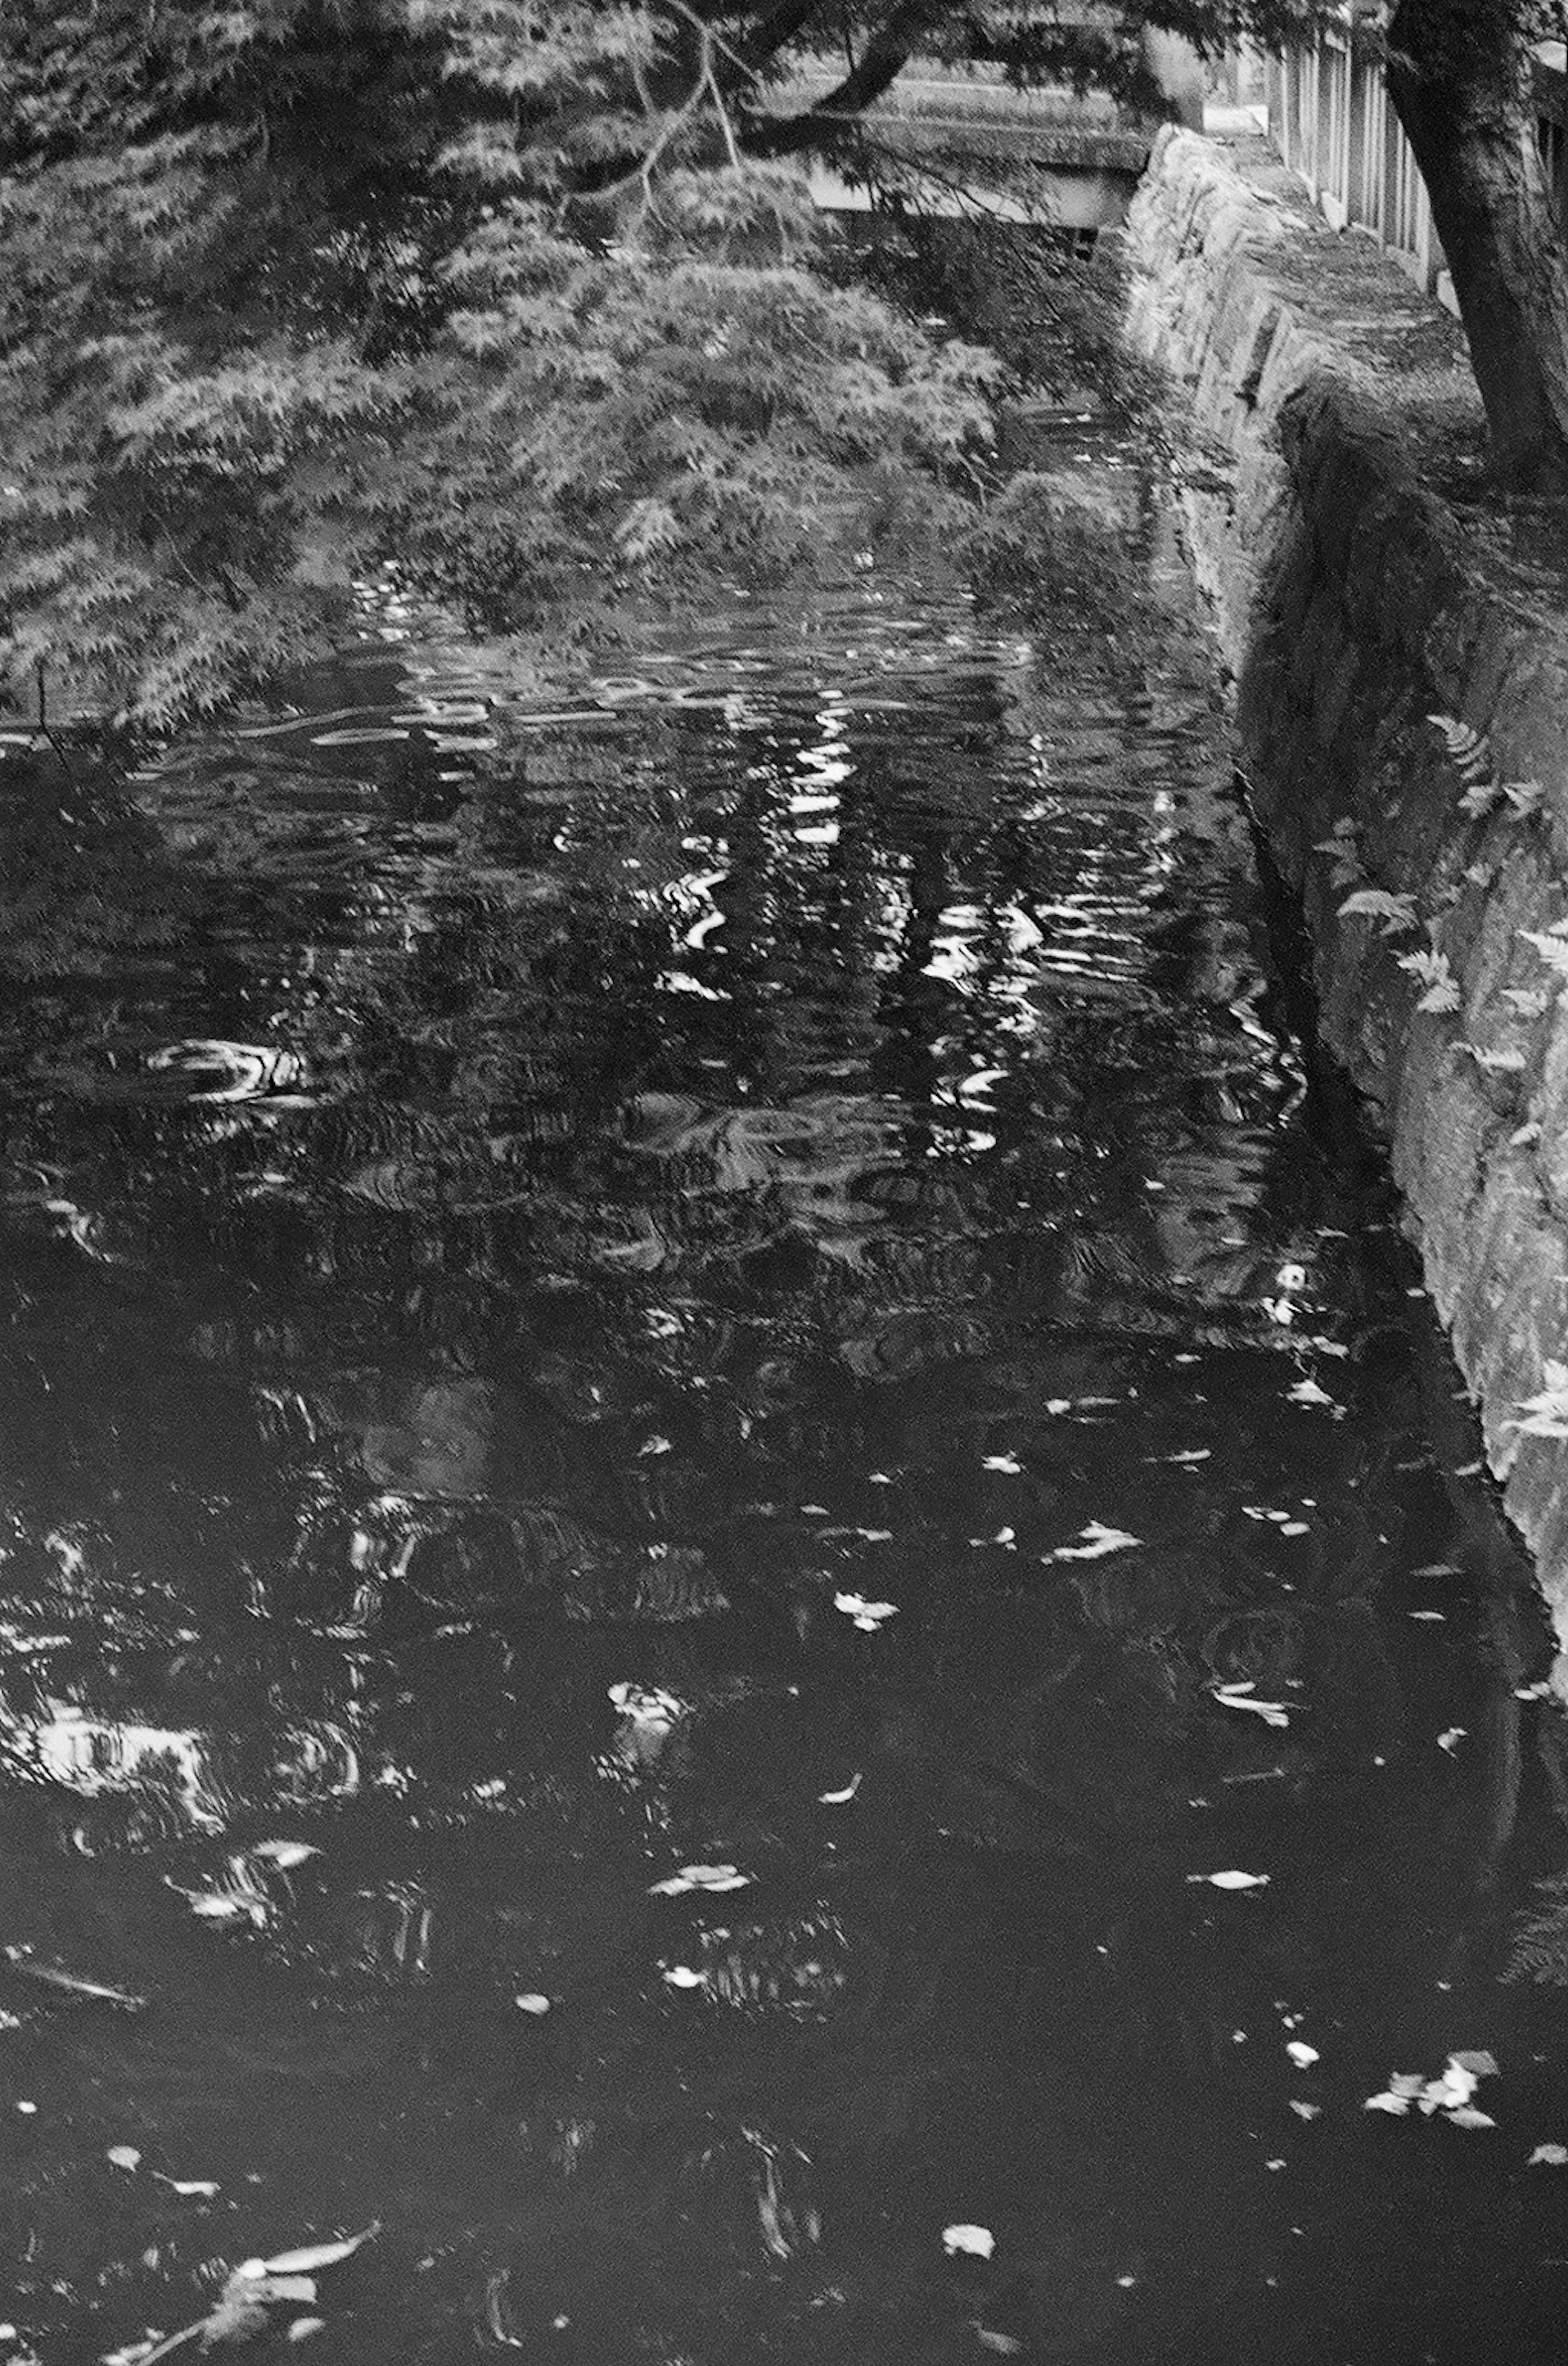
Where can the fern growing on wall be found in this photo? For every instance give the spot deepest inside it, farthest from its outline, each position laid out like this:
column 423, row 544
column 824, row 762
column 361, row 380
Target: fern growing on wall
column 1539, row 1949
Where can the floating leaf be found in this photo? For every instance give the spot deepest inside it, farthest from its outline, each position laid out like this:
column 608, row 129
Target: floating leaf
column 56, row 1976
column 310, row 2257
column 1231, row 1880
column 970, row 2242
column 1240, row 1696
column 1100, row 1540
column 867, row 1615
column 700, row 1876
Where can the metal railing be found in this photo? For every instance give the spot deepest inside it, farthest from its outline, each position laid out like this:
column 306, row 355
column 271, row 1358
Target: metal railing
column 1332, row 121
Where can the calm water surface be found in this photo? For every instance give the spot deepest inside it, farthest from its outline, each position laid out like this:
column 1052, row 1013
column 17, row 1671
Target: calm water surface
column 746, row 1275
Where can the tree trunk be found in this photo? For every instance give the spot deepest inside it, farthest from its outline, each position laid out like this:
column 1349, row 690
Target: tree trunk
column 1460, row 75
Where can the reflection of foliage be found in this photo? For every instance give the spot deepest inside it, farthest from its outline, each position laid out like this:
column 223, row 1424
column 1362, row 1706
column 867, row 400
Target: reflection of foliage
column 1540, row 1939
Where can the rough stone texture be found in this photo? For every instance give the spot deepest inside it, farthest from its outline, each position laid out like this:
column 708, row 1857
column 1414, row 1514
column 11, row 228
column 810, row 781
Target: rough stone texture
column 1361, row 588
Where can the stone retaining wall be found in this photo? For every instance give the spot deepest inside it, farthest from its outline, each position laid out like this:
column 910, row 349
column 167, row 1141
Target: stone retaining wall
column 1354, row 603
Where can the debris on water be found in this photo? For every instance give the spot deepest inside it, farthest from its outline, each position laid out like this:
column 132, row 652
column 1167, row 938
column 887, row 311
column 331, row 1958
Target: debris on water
column 1099, row 1540
column 251, row 2289
column 1307, row 1391
column 240, row 1904
column 533, row 2000
column 1009, row 1463
column 200, row 2189
column 1450, row 1738
column 1450, row 2092
column 1549, row 2156
column 968, row 2242
column 1231, row 1880
column 124, row 2156
column 1306, row 2111
column 1542, row 1691
column 867, row 1615
column 1439, row 1568
column 1240, row 1695
column 1436, row 1616
column 285, row 1855
column 700, row 1876
column 841, row 1798
column 1303, row 2054
column 682, row 1976
column 311, row 2257
column 56, row 1976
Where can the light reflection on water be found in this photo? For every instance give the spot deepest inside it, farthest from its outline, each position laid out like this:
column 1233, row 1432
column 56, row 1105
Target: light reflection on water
column 518, row 1222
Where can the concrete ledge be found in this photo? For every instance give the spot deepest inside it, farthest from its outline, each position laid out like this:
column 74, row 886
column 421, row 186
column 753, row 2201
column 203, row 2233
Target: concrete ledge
column 1359, row 590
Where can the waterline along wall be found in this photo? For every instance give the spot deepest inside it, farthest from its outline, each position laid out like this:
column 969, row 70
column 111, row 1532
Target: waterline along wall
column 1355, row 603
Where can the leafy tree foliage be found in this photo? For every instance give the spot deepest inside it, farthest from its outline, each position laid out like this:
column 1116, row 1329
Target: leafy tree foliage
column 513, row 302
column 300, row 289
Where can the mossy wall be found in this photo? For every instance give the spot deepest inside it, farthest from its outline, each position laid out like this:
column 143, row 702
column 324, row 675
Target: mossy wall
column 1355, row 601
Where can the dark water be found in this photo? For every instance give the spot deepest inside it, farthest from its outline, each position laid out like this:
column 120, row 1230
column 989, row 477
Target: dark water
column 514, row 1228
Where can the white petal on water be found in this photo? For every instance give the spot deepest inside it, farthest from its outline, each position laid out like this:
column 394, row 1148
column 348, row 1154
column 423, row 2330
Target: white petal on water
column 969, row 2242
column 1231, row 1880
column 533, row 2001
column 681, row 1976
column 1240, row 1696
column 124, row 2156
column 1396, row 2105
column 202, row 2188
column 311, row 2256
column 303, row 2326
column 285, row 1855
column 1436, row 1616
column 1306, row 2111
column 866, row 1615
column 1303, row 2054
column 700, row 1876
column 1465, row 2115
column 841, row 1798
column 1307, row 1391
column 1450, row 1740
column 1008, row 1463
column 1549, row 2156
column 1099, row 1540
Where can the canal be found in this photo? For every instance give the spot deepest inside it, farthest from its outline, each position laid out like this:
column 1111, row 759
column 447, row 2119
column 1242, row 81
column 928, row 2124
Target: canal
column 741, row 1580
